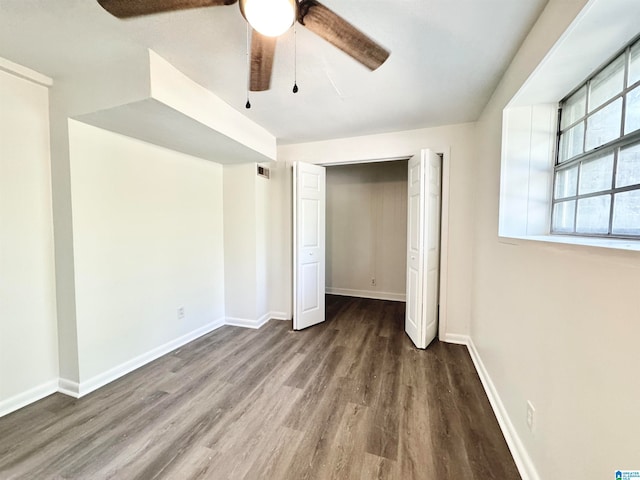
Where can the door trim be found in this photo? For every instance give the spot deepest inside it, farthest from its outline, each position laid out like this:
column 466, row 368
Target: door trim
column 444, row 240
column 445, row 152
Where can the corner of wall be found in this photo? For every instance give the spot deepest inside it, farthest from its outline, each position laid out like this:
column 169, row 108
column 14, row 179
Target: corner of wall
column 63, row 239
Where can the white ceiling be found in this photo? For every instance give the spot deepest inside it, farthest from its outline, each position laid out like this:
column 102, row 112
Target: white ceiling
column 446, row 58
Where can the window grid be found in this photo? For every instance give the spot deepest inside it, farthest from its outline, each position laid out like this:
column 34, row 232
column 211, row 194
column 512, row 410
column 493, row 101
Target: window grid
column 614, row 147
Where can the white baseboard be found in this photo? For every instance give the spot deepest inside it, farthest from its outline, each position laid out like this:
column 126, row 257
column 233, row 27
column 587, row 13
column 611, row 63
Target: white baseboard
column 347, row 292
column 518, row 451
column 23, row 399
column 455, row 338
column 255, row 324
column 69, row 387
column 246, row 322
column 114, row 373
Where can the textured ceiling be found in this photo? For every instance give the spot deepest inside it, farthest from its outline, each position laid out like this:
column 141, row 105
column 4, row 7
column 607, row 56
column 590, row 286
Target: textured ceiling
column 446, row 58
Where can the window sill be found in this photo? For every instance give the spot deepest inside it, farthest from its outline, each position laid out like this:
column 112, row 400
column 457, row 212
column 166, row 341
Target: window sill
column 609, row 243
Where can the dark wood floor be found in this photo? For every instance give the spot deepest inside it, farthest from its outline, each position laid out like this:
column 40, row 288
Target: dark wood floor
column 349, row 399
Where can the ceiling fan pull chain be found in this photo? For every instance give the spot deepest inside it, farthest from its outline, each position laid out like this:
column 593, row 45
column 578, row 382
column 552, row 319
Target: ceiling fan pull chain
column 295, row 59
column 248, row 104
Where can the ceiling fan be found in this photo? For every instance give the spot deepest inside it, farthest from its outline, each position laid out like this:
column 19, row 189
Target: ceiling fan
column 269, row 19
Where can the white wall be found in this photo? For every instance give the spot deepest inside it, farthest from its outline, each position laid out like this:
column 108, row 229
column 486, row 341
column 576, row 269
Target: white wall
column 256, row 235
column 263, row 245
column 366, row 229
column 148, row 239
column 554, row 324
column 240, row 241
column 458, row 144
column 280, row 233
column 139, row 234
column 28, row 331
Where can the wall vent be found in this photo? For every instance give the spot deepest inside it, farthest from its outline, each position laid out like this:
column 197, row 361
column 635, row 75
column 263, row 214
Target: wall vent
column 263, row 171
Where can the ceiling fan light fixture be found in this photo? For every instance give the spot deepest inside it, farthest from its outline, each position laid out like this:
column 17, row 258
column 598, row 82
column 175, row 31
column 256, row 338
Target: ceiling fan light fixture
column 269, row 17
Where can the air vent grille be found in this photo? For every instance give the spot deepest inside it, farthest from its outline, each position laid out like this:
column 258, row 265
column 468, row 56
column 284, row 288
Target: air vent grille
column 263, row 171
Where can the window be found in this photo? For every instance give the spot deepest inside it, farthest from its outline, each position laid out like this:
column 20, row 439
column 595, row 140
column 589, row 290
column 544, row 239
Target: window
column 597, row 173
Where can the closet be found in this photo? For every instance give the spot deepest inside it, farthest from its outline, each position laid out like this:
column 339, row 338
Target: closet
column 366, row 230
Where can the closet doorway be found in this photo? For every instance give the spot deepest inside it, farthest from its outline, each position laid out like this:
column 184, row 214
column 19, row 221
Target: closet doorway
column 364, row 237
column 366, row 230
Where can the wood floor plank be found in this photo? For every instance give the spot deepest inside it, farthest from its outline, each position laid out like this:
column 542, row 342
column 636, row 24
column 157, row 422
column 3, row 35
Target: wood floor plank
column 346, row 457
column 196, row 464
column 382, row 439
column 317, row 392
column 347, row 399
column 148, row 447
column 416, row 449
column 314, row 356
column 274, row 462
column 377, row 468
column 445, row 425
column 320, row 431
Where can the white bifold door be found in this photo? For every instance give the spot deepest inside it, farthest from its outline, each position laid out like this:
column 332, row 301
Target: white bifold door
column 423, row 247
column 308, row 245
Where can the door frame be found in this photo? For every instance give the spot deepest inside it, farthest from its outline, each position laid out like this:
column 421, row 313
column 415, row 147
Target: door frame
column 445, row 153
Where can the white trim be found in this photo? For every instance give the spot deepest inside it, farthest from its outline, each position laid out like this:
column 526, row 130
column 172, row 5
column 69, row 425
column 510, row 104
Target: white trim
column 294, row 241
column 248, row 323
column 518, row 451
column 356, row 162
column 280, row 316
column 347, row 292
column 69, row 387
column 455, row 338
column 631, row 245
column 24, row 72
column 129, row 366
column 23, row 399
column 444, row 241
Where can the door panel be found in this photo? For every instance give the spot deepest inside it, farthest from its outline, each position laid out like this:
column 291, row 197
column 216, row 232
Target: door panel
column 310, row 280
column 309, row 245
column 432, row 286
column 413, row 318
column 310, row 227
column 423, row 247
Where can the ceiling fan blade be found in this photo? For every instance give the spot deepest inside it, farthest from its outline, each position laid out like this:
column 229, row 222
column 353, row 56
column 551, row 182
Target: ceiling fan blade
column 134, row 8
column 263, row 50
column 340, row 33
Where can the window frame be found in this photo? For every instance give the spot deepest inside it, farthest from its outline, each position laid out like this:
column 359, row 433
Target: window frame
column 613, row 146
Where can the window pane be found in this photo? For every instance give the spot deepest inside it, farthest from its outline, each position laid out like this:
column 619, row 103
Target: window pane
column 628, row 171
column 566, row 182
column 593, row 214
column 574, row 108
column 596, row 175
column 634, row 64
column 563, row 215
column 632, row 116
column 626, row 213
column 607, row 84
column 604, row 126
column 571, row 142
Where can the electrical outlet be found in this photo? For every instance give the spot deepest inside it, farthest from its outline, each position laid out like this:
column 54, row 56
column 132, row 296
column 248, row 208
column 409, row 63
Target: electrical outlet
column 373, row 282
column 530, row 415
column 180, row 313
